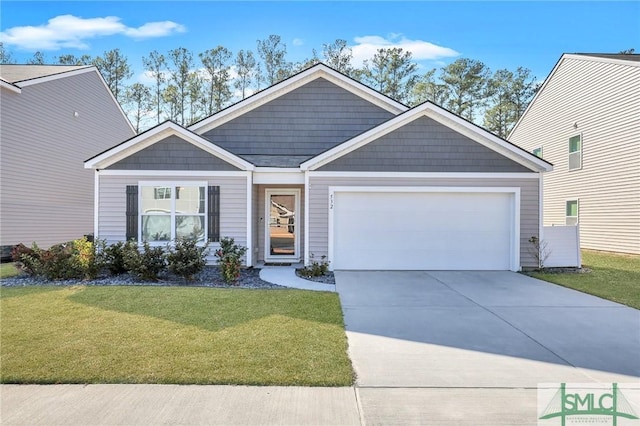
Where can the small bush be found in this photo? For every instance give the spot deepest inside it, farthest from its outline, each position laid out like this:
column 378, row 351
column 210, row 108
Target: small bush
column 71, row 260
column 187, row 259
column 114, row 258
column 230, row 259
column 315, row 268
column 147, row 264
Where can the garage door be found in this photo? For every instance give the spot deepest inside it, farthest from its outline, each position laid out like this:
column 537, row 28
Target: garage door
column 422, row 230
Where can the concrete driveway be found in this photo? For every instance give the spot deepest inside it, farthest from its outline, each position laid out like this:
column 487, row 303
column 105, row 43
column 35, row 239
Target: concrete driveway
column 472, row 347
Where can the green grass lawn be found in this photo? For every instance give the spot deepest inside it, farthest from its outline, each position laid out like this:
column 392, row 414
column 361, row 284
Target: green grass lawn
column 8, row 270
column 172, row 335
column 614, row 277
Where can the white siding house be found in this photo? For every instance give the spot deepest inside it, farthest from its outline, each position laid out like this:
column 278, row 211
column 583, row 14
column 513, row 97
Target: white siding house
column 52, row 119
column 585, row 120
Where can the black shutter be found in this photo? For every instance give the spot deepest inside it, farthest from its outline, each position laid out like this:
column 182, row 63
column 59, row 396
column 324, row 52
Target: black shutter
column 132, row 212
column 214, row 214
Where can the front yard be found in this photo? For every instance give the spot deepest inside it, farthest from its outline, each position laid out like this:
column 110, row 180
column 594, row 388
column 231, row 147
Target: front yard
column 83, row 334
column 614, row 277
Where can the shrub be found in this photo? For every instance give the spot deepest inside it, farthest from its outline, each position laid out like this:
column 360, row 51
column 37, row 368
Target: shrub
column 315, row 268
column 187, row 259
column 114, row 258
column 74, row 259
column 230, row 259
column 146, row 265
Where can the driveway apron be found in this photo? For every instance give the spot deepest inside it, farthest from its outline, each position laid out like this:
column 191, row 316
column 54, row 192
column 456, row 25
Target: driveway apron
column 453, row 347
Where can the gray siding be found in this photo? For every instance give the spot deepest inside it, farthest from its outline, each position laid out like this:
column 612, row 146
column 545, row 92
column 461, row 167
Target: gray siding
column 259, row 229
column 306, row 121
column 424, row 145
column 233, row 206
column 46, row 194
column 172, row 153
column 604, row 100
column 319, row 202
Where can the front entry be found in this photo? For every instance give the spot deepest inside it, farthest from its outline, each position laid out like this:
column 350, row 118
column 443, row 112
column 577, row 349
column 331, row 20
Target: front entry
column 281, row 227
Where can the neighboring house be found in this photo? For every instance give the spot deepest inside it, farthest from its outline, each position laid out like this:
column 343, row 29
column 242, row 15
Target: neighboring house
column 321, row 165
column 51, row 119
column 585, row 120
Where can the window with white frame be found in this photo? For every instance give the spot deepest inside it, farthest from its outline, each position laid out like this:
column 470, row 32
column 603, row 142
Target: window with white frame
column 571, row 212
column 170, row 212
column 537, row 152
column 575, row 152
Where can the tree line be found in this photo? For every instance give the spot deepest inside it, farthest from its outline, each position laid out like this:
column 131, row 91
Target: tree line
column 186, row 87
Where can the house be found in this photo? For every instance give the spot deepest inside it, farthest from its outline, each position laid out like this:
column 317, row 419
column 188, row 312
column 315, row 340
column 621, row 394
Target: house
column 322, row 165
column 51, row 119
column 585, row 119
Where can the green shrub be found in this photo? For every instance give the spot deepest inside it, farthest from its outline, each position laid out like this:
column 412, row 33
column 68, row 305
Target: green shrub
column 187, row 259
column 230, row 259
column 114, row 258
column 315, row 268
column 74, row 259
column 147, row 264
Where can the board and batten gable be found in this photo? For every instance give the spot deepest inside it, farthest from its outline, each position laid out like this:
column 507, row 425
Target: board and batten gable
column 599, row 99
column 304, row 122
column 112, row 202
column 172, row 153
column 47, row 195
column 424, row 145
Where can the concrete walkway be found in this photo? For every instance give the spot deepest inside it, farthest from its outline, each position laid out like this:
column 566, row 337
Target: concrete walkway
column 286, row 276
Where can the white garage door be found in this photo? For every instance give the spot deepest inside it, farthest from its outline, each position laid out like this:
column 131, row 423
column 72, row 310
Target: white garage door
column 423, row 230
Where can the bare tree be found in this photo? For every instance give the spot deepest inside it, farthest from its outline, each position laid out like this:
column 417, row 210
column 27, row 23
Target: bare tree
column 115, row 70
column 37, row 59
column 6, row 57
column 338, row 56
column 155, row 64
column 273, row 52
column 140, row 100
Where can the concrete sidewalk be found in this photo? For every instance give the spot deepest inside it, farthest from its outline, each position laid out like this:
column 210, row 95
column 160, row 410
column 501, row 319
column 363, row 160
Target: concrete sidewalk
column 176, row 405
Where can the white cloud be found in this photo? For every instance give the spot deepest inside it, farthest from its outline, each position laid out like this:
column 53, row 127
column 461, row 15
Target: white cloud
column 298, row 42
column 367, row 46
column 68, row 31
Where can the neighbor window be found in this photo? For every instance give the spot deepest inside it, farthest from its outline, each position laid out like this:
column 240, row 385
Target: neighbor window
column 575, row 152
column 572, row 212
column 537, row 152
column 172, row 212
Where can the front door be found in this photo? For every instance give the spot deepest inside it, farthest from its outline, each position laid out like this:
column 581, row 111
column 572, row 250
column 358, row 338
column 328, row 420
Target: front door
column 282, row 239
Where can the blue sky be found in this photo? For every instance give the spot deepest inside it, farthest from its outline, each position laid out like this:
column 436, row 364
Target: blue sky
column 501, row 34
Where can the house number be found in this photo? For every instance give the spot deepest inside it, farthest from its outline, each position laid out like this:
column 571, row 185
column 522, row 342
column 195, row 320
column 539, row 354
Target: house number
column 331, row 202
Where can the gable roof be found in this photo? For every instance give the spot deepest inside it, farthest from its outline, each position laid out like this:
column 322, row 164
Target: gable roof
column 619, row 59
column 23, row 74
column 444, row 117
column 156, row 134
column 319, row 70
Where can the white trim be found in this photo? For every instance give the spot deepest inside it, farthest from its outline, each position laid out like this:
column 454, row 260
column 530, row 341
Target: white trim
column 274, row 178
column 541, row 208
column 10, row 86
column 57, row 76
column 96, row 204
column 306, row 217
column 442, row 116
column 171, row 184
column 173, row 173
column 290, row 84
column 249, row 253
column 268, row 192
column 426, row 175
column 157, row 134
column 515, row 224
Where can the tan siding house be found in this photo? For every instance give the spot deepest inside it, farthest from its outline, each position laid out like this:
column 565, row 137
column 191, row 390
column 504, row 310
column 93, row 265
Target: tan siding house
column 52, row 119
column 585, row 120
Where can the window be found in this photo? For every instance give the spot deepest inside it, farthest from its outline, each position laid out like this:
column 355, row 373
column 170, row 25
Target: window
column 537, row 152
column 572, row 212
column 172, row 212
column 575, row 152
